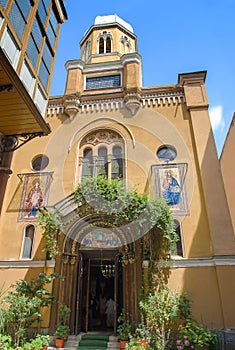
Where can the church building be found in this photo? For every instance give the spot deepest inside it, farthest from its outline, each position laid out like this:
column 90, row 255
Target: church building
column 157, row 139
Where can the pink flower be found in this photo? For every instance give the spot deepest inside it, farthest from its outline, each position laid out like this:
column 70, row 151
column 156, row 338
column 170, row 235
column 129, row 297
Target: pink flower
column 186, row 343
column 192, row 347
column 180, row 347
column 178, row 342
column 185, row 337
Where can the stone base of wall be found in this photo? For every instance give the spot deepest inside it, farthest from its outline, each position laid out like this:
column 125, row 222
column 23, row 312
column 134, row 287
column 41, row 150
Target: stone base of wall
column 228, row 339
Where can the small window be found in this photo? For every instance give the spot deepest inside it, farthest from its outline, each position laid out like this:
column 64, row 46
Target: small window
column 40, row 162
column 87, row 163
column 166, row 153
column 102, row 162
column 117, row 166
column 101, row 45
column 108, row 45
column 177, row 249
column 28, row 242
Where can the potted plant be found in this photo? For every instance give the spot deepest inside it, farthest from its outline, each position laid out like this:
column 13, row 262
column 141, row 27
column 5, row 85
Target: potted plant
column 135, row 344
column 36, row 344
column 60, row 335
column 123, row 331
column 27, row 346
column 5, row 341
column 142, row 334
column 45, row 338
column 64, row 313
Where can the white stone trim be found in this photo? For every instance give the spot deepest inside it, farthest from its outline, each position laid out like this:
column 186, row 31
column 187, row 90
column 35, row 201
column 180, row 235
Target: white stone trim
column 55, row 109
column 74, row 65
column 102, row 106
column 163, row 99
column 202, row 262
column 22, row 264
column 103, row 67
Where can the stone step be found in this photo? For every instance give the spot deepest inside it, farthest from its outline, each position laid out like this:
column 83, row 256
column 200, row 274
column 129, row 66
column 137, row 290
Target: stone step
column 73, row 341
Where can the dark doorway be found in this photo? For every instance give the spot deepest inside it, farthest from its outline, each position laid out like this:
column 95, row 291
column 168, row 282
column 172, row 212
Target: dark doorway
column 100, row 291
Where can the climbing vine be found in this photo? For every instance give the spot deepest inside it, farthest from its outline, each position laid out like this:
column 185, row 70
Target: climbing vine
column 52, row 226
column 117, row 206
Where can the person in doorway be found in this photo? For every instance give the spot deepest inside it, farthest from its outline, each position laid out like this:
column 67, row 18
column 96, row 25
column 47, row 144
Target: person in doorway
column 110, row 312
column 102, row 304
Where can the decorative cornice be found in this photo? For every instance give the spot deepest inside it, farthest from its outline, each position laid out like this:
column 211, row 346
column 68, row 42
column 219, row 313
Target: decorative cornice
column 115, row 101
column 102, row 105
column 163, row 99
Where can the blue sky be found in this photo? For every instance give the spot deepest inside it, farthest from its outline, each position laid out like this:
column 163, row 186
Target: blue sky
column 173, row 37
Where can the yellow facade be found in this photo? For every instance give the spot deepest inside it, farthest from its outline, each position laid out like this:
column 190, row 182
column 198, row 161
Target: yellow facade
column 104, row 99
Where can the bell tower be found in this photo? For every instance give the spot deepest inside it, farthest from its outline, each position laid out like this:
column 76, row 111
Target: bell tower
column 109, row 63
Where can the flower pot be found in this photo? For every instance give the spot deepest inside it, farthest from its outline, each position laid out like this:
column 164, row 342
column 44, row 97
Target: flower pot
column 59, row 343
column 123, row 344
column 143, row 342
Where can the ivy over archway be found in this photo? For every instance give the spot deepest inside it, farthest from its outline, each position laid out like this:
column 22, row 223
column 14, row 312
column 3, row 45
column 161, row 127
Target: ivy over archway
column 122, row 208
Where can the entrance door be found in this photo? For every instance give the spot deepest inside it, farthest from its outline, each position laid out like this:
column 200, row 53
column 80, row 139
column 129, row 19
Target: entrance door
column 100, row 291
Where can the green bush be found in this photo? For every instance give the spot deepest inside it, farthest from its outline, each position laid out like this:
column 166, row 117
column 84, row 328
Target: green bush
column 193, row 335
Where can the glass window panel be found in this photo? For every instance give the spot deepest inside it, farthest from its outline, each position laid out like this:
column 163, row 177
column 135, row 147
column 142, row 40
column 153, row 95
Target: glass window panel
column 51, row 35
column 101, row 45
column 25, row 7
column 177, row 248
column 32, row 51
column 102, row 162
column 28, row 242
column 17, row 20
column 37, row 33
column 47, row 56
column 117, row 163
column 102, row 82
column 3, row 3
column 87, row 163
column 43, row 74
column 42, row 11
column 54, row 21
column 108, row 45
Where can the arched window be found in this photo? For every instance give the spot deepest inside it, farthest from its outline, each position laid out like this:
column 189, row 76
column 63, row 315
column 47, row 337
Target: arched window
column 101, row 45
column 28, row 242
column 86, row 51
column 108, row 44
column 104, row 42
column 87, row 163
column 177, row 248
column 101, row 154
column 125, row 45
column 117, row 166
column 102, row 162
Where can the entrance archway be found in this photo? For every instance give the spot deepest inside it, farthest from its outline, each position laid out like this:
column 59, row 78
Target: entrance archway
column 91, row 251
